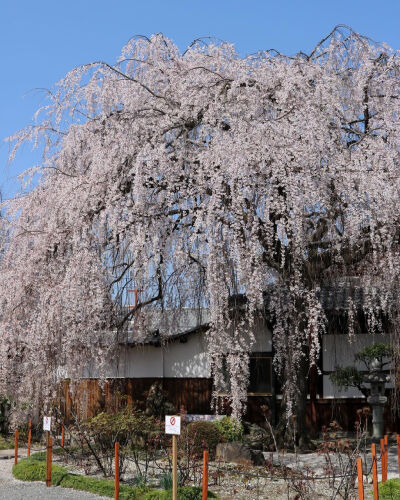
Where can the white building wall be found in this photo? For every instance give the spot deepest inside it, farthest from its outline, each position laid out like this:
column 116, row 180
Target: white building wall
column 187, row 359
column 339, row 350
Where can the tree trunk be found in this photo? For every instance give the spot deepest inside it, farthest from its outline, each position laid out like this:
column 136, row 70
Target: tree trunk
column 292, row 432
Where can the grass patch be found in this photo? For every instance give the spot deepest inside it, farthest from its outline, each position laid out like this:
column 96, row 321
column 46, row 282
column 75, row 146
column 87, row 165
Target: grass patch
column 34, row 469
column 390, row 490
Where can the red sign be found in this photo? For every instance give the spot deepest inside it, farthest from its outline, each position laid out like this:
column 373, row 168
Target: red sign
column 172, row 420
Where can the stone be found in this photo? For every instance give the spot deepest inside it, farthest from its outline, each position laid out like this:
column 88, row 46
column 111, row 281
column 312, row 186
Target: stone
column 239, row 453
column 257, row 438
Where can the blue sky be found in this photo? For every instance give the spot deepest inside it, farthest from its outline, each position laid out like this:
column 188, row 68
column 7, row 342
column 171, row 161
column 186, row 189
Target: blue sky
column 41, row 40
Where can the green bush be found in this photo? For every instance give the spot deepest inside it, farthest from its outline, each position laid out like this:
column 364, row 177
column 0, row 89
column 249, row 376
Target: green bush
column 203, row 435
column 390, row 490
column 34, row 469
column 230, row 428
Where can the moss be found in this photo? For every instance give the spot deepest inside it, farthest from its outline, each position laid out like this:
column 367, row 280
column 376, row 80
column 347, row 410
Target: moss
column 34, row 469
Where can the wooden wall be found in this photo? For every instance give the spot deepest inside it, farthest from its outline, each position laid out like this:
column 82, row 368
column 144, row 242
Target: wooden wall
column 86, row 398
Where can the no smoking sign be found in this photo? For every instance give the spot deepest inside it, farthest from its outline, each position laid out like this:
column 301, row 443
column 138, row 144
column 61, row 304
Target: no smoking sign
column 172, row 424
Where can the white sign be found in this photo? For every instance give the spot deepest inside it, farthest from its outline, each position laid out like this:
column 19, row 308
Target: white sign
column 46, row 423
column 172, row 424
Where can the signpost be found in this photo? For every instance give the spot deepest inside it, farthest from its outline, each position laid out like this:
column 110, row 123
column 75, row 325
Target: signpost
column 173, row 426
column 47, row 428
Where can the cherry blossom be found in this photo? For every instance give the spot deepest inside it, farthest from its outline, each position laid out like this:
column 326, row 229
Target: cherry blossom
column 198, row 177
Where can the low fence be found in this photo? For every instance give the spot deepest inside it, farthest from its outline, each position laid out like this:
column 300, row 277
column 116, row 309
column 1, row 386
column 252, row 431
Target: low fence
column 214, row 473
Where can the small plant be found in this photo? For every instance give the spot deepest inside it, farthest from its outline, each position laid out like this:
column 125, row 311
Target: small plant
column 230, row 428
column 166, row 481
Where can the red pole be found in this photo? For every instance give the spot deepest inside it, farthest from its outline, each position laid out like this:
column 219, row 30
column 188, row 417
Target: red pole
column 49, row 457
column 205, row 475
column 398, row 452
column 29, row 437
column 386, row 446
column 62, row 435
column 382, row 442
column 16, row 447
column 360, row 479
column 375, row 472
column 116, row 496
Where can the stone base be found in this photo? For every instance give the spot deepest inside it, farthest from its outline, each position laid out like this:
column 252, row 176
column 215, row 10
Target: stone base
column 239, row 453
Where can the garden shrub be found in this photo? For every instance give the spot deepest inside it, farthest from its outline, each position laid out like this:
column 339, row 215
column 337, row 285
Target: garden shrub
column 133, row 429
column 204, row 436
column 230, row 428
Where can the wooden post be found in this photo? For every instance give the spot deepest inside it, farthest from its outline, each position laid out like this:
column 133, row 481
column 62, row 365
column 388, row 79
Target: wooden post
column 49, row 457
column 174, row 467
column 62, row 435
column 116, row 482
column 29, row 437
column 16, row 447
column 398, row 452
column 385, row 447
column 374, row 472
column 205, row 475
column 383, row 462
column 360, row 479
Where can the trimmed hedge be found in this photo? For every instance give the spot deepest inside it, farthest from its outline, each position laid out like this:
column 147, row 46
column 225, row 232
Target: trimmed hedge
column 34, row 469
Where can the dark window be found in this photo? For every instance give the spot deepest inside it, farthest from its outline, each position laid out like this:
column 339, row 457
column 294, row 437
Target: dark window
column 260, row 382
column 260, row 374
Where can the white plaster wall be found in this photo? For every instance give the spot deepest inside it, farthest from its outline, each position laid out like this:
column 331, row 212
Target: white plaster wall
column 144, row 361
column 177, row 359
column 187, row 359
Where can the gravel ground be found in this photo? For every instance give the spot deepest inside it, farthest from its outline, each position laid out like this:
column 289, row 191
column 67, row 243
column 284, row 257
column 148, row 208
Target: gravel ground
column 12, row 489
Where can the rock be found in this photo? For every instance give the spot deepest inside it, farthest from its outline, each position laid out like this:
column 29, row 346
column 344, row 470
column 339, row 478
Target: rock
column 257, row 438
column 239, row 453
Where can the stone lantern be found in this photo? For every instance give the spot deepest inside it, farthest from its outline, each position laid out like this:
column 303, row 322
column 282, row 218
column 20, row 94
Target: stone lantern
column 377, row 399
